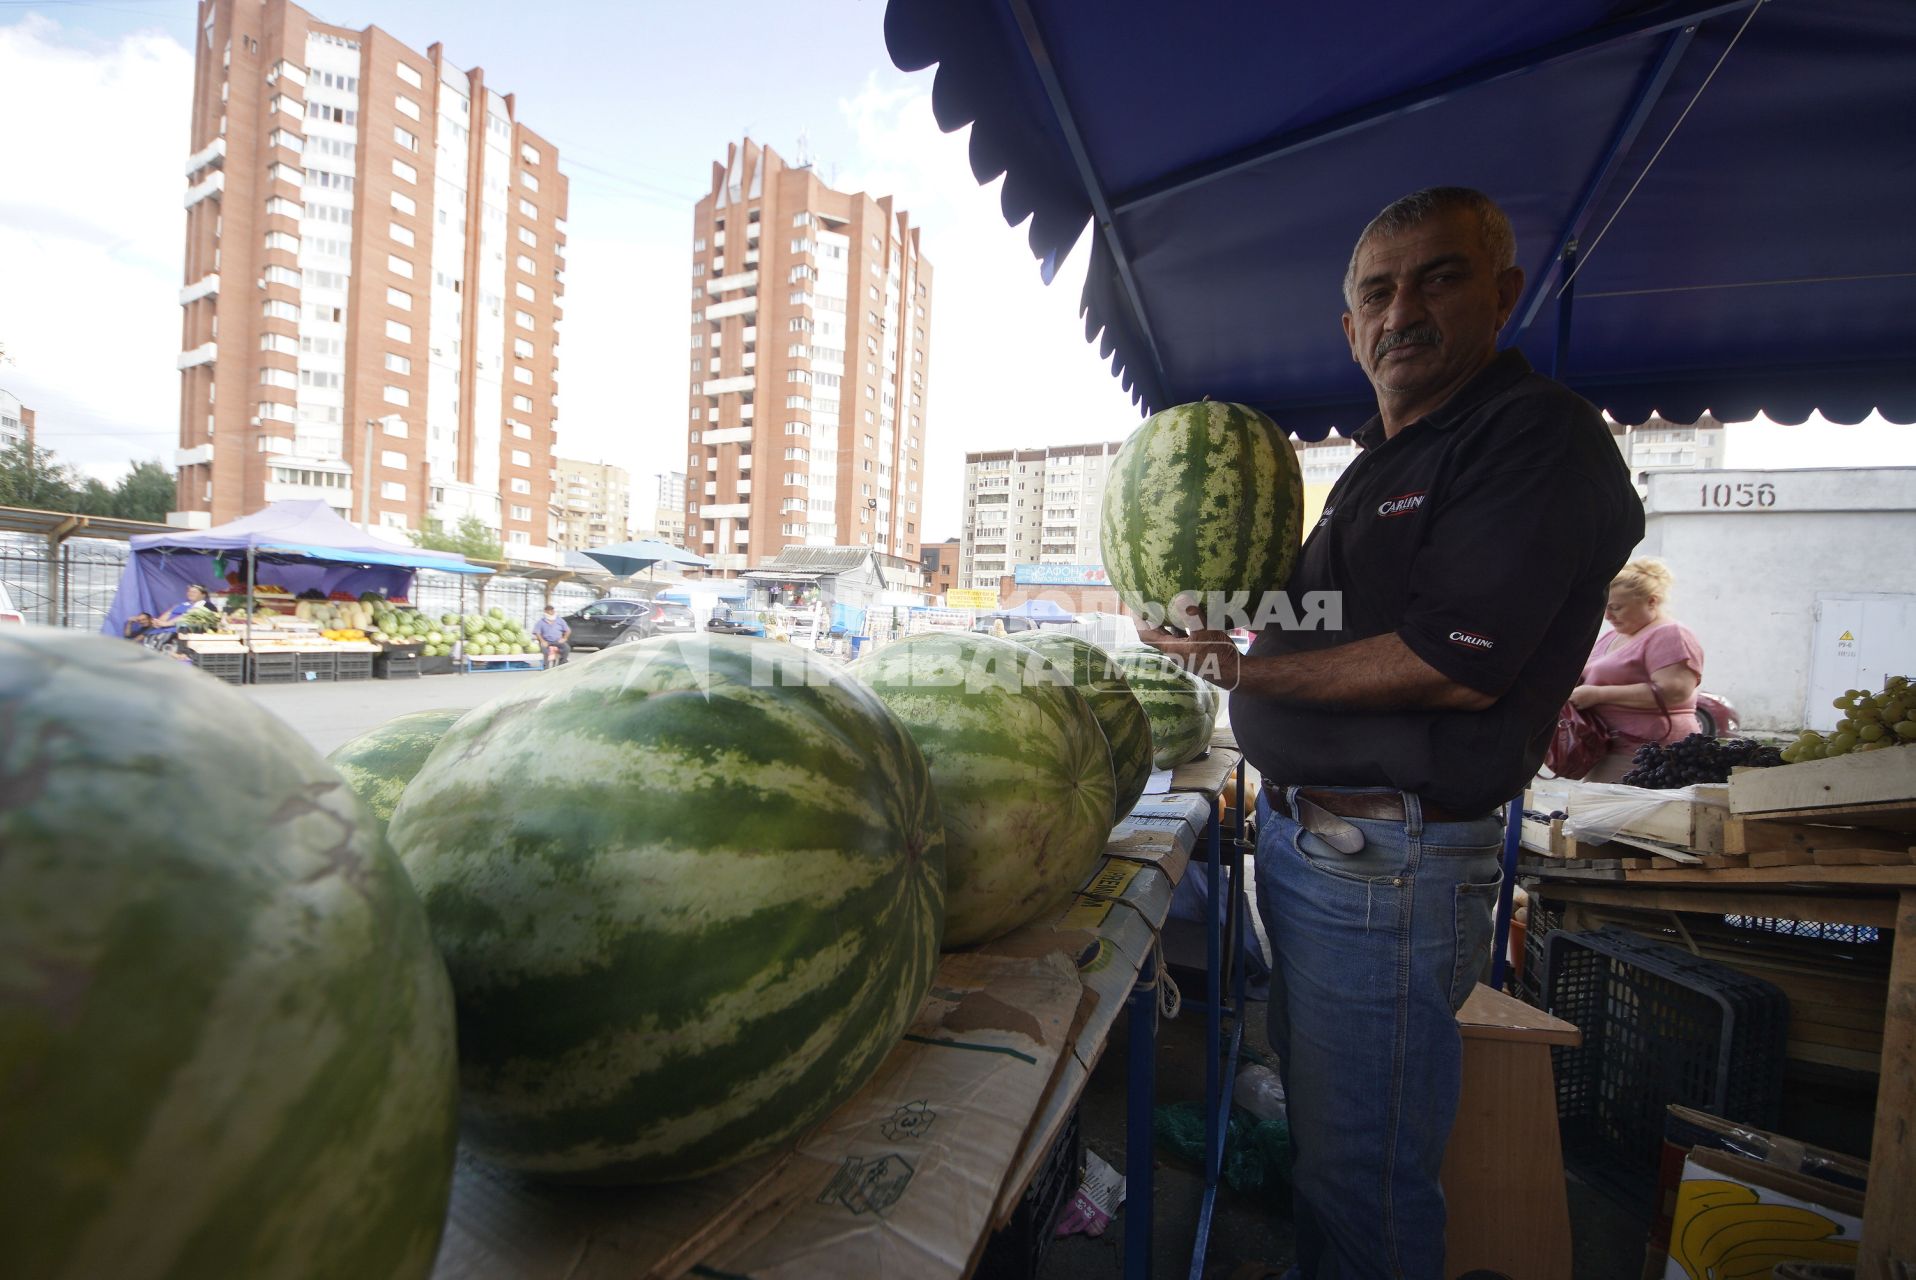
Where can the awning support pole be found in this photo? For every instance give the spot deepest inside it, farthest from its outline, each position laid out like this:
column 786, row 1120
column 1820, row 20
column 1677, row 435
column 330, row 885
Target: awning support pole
column 1560, row 357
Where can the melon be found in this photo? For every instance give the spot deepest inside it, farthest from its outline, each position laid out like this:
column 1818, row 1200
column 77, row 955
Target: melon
column 690, row 895
column 379, row 763
column 1127, row 730
column 226, row 1041
column 1182, row 708
column 1204, row 499
column 1022, row 771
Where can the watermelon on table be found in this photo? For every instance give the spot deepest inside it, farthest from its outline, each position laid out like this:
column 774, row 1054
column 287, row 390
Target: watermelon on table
column 1182, row 708
column 379, row 763
column 1022, row 771
column 1203, row 498
column 1127, row 730
column 690, row 894
column 221, row 1054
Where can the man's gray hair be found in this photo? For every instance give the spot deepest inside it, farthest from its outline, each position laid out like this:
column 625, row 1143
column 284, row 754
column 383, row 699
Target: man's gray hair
column 1419, row 207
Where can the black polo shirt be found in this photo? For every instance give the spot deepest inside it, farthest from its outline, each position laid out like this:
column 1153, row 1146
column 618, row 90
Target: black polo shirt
column 1485, row 535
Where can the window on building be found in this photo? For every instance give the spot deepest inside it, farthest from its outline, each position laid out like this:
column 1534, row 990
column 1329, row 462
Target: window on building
column 522, row 348
column 398, row 332
column 407, row 107
column 527, row 180
column 399, row 298
column 274, row 309
column 522, row 513
column 398, row 266
column 524, row 290
column 521, row 374
column 398, row 395
column 526, row 237
column 404, row 203
column 401, row 235
column 398, row 364
column 410, row 76
column 522, row 403
column 521, row 458
column 521, row 485
column 395, row 490
column 523, row 319
column 405, row 172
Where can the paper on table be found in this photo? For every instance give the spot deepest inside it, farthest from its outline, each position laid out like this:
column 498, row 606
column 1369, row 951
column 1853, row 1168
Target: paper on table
column 1159, row 783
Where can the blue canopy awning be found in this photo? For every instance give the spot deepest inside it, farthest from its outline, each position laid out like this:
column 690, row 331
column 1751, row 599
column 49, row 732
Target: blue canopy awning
column 398, row 558
column 1725, row 186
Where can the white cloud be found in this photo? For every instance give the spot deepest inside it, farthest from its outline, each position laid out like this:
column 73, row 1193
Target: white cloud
column 91, row 233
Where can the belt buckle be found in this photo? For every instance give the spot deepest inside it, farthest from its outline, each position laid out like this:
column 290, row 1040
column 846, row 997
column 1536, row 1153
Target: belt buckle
column 1327, row 826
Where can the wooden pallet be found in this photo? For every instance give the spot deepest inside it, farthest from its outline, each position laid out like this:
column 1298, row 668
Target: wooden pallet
column 1874, row 789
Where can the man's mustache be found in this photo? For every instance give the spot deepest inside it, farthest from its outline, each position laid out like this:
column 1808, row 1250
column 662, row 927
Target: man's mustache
column 1421, row 334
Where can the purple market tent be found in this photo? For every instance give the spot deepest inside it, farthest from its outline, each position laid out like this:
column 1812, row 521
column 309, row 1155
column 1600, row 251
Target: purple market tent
column 308, row 546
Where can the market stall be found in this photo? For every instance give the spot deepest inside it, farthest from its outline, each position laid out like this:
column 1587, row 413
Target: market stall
column 304, row 592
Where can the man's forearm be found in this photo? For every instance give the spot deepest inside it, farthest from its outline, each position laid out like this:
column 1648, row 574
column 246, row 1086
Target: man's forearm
column 1377, row 674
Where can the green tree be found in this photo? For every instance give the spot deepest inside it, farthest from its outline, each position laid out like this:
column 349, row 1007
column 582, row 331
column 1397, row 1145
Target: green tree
column 33, row 477
column 472, row 539
column 147, row 492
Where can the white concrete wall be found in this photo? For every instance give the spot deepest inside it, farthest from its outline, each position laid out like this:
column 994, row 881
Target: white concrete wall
column 1752, row 550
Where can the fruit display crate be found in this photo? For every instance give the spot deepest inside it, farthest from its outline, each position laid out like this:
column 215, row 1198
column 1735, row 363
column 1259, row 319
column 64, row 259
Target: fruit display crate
column 396, row 665
column 1659, row 1026
column 1016, row 1251
column 272, row 668
column 353, row 666
column 230, row 667
column 316, row 665
column 504, row 662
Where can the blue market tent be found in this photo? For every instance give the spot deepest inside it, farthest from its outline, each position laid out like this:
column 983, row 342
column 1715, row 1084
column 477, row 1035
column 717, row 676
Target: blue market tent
column 1039, row 611
column 307, row 544
column 1711, row 199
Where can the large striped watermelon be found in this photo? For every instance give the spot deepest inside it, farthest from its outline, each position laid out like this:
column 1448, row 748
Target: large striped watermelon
column 690, row 893
column 380, row 762
column 226, row 1043
column 1182, row 708
column 1021, row 767
column 1127, row 730
column 1203, row 498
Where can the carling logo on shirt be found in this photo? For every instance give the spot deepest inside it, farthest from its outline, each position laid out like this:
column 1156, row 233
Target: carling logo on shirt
column 1403, row 504
column 1471, row 640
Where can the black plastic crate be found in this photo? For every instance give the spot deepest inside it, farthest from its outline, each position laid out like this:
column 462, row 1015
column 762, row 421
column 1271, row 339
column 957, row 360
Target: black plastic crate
column 396, row 666
column 272, row 668
column 317, row 666
column 352, row 666
column 437, row 666
column 1016, row 1251
column 1659, row 1026
column 230, row 667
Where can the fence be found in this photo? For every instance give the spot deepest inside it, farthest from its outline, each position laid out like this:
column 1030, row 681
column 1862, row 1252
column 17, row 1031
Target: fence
column 88, row 571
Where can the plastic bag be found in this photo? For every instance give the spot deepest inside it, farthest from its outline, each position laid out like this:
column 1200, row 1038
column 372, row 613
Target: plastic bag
column 1257, row 1153
column 1599, row 810
column 1260, row 1092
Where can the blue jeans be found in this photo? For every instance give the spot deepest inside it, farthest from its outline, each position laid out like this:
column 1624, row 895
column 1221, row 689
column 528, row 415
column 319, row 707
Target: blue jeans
column 1373, row 953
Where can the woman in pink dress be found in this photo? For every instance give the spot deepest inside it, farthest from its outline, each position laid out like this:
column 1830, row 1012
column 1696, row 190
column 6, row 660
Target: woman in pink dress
column 1643, row 674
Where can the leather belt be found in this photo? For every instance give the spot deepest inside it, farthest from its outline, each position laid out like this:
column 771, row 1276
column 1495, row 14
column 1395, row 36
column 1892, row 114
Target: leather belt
column 1385, row 806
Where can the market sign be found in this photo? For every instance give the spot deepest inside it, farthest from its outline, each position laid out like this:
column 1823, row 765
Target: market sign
column 972, row 598
column 1060, row 575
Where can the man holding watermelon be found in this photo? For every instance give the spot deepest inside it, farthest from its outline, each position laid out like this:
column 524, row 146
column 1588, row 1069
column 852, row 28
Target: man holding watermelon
column 1470, row 544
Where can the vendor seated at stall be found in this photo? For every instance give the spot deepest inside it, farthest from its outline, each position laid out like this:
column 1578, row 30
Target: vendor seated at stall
column 142, row 624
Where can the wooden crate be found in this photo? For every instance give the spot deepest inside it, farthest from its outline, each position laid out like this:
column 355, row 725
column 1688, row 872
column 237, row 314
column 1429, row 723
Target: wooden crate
column 1873, row 789
column 1694, row 825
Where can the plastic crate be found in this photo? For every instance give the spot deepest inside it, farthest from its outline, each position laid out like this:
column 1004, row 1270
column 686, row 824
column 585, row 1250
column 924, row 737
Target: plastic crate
column 396, row 666
column 230, row 667
column 1659, row 1026
column 272, row 668
column 352, row 666
column 317, row 666
column 1016, row 1251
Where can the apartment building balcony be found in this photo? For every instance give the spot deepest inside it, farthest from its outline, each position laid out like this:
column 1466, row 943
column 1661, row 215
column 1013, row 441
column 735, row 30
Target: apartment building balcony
column 750, row 360
column 745, row 412
column 196, row 456
column 728, row 561
column 202, row 354
column 751, row 333
column 721, row 386
column 727, row 435
column 736, row 307
column 212, row 186
column 213, row 152
column 741, row 537
column 204, row 287
column 726, row 511
column 744, row 487
column 725, row 284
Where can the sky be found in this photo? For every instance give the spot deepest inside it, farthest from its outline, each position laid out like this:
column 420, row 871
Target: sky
column 640, row 100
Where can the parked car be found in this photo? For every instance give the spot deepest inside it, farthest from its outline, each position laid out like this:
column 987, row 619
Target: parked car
column 604, row 623
column 9, row 616
column 743, row 623
column 1715, row 715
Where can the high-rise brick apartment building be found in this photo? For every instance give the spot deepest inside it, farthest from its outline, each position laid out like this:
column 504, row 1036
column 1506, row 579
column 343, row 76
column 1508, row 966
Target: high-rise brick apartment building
column 1033, row 506
column 372, row 236
column 591, row 504
column 810, row 314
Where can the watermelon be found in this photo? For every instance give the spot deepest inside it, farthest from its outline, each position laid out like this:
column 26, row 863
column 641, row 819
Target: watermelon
column 1182, row 708
column 1127, row 730
column 226, row 1042
column 379, row 763
column 688, row 907
column 1021, row 767
column 1203, row 498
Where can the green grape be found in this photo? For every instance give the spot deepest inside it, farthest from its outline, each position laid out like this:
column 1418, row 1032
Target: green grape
column 1841, row 703
column 1873, row 746
column 1866, row 713
column 1843, row 741
column 1788, row 754
column 1871, row 732
column 1906, row 730
column 1845, row 724
column 1895, row 709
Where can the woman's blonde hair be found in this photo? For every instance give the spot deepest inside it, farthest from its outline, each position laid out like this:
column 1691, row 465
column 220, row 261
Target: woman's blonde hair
column 1645, row 578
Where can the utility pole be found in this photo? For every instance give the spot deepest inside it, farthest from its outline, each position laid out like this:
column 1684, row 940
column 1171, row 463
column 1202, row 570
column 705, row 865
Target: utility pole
column 364, row 480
